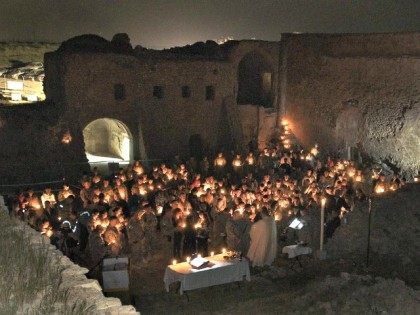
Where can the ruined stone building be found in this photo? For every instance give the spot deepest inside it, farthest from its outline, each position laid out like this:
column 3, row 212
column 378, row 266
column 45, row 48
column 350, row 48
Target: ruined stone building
column 357, row 91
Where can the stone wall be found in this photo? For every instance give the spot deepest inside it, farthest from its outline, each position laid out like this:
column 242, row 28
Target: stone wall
column 31, row 148
column 258, row 123
column 81, row 293
column 169, row 122
column 370, row 100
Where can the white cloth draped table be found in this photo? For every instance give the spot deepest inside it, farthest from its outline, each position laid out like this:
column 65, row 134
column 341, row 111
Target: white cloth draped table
column 296, row 250
column 222, row 271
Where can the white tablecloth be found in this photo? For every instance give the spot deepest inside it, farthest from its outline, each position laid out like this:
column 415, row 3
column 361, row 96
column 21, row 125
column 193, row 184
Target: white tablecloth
column 296, row 250
column 221, row 272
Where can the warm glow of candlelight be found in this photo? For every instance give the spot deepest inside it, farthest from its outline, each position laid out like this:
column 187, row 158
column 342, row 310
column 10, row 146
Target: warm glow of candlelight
column 379, row 189
column 211, row 254
column 223, row 250
column 174, row 262
column 314, row 150
column 237, row 163
column 323, row 201
column 284, row 122
column 188, row 259
column 66, row 139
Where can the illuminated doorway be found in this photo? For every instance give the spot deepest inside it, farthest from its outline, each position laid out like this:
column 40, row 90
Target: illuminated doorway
column 108, row 140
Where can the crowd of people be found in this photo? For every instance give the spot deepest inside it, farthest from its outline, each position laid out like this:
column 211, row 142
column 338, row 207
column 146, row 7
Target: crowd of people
column 240, row 203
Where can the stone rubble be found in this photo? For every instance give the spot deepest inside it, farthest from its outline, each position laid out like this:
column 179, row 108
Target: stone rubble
column 394, row 230
column 358, row 294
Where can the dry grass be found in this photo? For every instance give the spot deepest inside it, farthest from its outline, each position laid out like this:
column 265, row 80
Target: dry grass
column 29, row 275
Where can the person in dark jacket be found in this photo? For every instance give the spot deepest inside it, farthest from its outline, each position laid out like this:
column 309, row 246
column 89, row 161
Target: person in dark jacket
column 190, row 246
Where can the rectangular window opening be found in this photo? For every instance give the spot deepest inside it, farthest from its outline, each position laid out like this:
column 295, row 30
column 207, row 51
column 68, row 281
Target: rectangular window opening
column 186, row 91
column 119, row 92
column 210, row 92
column 158, row 91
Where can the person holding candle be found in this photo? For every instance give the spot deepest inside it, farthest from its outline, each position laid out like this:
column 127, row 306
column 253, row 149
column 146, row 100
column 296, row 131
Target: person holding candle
column 237, row 232
column 220, row 217
column 202, row 229
column 178, row 223
column 190, row 244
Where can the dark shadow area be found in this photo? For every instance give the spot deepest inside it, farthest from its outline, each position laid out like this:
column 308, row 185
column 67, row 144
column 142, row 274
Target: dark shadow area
column 254, row 81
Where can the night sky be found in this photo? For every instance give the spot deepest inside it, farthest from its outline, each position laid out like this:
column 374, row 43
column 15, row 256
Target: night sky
column 158, row 24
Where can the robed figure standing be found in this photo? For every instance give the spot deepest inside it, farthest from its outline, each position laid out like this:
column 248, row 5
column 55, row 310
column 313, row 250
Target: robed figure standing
column 263, row 248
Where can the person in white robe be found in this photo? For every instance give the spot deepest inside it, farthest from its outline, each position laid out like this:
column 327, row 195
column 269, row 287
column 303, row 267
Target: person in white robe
column 263, row 248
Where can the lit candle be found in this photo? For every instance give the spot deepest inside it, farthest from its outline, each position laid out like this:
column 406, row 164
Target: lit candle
column 223, row 250
column 174, row 262
column 188, row 259
column 380, row 188
column 211, row 254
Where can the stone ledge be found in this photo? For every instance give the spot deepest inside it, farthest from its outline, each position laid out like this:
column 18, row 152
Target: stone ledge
column 79, row 288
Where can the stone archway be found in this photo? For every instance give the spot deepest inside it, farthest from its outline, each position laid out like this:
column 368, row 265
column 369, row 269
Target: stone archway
column 108, row 140
column 255, row 81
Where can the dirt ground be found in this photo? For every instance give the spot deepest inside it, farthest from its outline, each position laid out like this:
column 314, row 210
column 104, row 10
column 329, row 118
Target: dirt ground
column 284, row 282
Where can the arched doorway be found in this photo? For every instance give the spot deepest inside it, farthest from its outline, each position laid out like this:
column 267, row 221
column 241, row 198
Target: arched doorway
column 255, row 81
column 108, row 140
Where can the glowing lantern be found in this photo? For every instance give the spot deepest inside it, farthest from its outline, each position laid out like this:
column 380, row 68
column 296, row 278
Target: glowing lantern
column 66, row 139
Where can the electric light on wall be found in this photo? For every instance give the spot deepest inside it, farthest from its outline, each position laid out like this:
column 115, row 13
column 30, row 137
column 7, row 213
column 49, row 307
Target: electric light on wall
column 67, row 138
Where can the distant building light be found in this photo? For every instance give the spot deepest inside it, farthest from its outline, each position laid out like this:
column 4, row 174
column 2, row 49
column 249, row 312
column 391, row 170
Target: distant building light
column 15, row 85
column 16, row 97
column 32, row 98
